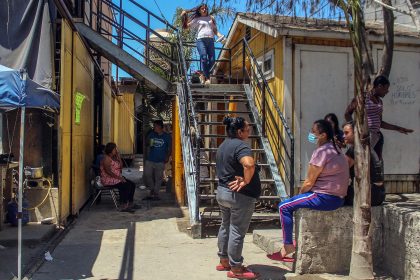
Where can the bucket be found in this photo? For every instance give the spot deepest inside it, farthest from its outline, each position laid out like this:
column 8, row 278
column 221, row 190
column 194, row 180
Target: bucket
column 34, row 172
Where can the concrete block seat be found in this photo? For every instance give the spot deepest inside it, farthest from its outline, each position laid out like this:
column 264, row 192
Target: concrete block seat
column 324, row 239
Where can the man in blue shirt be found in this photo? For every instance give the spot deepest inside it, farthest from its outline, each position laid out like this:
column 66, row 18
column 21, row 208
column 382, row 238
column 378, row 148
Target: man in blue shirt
column 158, row 151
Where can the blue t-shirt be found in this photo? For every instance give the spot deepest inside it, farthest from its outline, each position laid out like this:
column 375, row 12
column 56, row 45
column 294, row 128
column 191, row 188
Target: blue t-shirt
column 159, row 146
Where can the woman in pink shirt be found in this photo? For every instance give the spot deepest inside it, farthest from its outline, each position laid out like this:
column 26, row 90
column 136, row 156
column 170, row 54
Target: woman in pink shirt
column 111, row 176
column 324, row 188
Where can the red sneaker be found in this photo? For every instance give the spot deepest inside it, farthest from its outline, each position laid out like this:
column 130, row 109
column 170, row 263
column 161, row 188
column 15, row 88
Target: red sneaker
column 243, row 274
column 221, row 267
column 278, row 257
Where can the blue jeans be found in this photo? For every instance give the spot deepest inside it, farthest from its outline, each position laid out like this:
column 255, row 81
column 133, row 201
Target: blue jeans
column 236, row 210
column 311, row 200
column 205, row 47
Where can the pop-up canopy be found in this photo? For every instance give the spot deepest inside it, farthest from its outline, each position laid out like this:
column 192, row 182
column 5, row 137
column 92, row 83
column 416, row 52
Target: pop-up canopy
column 16, row 91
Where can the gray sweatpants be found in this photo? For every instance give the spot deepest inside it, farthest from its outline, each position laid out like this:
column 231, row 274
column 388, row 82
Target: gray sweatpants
column 236, row 210
column 153, row 175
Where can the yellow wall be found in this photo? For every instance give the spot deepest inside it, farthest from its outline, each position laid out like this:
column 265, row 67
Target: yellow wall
column 115, row 106
column 261, row 43
column 65, row 121
column 83, row 133
column 76, row 140
column 107, row 114
column 124, row 123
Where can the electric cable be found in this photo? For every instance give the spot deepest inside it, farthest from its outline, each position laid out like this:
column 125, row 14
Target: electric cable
column 161, row 14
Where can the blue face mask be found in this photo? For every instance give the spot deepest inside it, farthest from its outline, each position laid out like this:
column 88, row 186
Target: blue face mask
column 312, row 138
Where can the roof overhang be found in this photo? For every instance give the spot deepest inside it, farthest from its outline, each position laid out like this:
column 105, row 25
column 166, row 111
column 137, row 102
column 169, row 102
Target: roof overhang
column 298, row 31
column 309, row 32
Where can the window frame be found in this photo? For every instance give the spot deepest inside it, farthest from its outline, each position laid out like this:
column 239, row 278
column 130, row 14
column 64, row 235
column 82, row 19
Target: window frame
column 269, row 55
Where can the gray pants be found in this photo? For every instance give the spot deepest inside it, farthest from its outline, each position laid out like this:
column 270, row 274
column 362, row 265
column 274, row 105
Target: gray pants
column 236, row 210
column 153, row 175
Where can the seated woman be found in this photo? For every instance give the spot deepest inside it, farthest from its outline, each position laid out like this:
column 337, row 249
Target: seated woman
column 324, row 188
column 111, row 170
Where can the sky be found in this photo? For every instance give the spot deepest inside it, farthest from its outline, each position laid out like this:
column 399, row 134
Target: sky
column 166, row 8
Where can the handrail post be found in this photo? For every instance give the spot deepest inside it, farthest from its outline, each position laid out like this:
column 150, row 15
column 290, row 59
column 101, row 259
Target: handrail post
column 263, row 110
column 98, row 15
column 91, row 14
column 243, row 61
column 148, row 40
column 230, row 65
column 120, row 33
column 171, row 65
column 292, row 168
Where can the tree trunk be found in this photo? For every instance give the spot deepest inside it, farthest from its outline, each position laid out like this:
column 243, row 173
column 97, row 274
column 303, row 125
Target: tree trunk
column 388, row 40
column 361, row 259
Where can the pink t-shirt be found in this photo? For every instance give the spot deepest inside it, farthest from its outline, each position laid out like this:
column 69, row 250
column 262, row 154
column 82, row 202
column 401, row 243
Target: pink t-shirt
column 107, row 180
column 334, row 178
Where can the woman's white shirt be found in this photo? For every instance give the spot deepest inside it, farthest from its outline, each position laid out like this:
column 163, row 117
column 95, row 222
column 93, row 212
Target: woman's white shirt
column 204, row 26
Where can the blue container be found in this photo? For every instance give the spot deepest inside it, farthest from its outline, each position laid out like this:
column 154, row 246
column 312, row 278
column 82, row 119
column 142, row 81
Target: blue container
column 12, row 211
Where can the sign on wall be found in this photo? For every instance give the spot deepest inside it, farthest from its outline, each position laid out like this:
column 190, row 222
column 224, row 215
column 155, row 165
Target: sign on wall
column 78, row 101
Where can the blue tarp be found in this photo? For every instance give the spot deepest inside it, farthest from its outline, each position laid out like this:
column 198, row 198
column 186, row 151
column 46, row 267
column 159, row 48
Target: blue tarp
column 15, row 92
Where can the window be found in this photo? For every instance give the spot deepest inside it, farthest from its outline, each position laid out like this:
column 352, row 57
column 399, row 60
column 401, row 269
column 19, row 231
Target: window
column 266, row 62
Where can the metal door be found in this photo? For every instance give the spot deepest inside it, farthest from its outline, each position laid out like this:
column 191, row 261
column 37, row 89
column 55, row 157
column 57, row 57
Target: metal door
column 323, row 84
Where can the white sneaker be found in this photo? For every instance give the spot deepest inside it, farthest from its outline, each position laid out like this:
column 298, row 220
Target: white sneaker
column 207, row 82
column 221, row 39
column 202, row 79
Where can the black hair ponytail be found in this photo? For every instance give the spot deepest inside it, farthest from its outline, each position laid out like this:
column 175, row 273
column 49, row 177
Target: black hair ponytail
column 325, row 127
column 233, row 124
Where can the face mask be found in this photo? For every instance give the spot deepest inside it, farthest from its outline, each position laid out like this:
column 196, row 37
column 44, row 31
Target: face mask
column 312, row 138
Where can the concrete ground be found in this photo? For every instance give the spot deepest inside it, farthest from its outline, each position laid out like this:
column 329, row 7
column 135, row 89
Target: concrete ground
column 149, row 244
column 34, row 237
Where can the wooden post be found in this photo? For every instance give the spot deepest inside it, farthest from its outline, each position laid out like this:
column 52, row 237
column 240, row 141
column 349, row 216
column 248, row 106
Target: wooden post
column 178, row 182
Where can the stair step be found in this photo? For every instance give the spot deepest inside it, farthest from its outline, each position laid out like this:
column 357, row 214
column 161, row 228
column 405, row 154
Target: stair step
column 222, row 112
column 224, row 136
column 204, row 90
column 219, row 94
column 199, row 100
column 214, row 164
column 255, row 216
column 215, row 150
column 217, row 123
column 215, row 180
column 213, row 196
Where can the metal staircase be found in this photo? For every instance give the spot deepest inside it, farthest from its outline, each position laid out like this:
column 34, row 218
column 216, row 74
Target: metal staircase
column 114, row 33
column 213, row 103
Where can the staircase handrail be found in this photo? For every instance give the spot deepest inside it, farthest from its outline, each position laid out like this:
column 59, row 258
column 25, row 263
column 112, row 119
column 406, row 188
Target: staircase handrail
column 276, row 106
column 188, row 119
column 263, row 84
